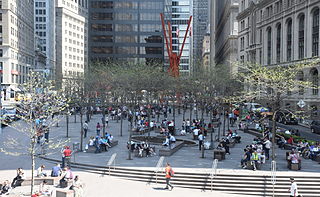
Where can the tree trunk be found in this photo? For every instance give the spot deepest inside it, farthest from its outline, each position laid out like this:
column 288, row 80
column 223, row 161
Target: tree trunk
column 121, row 124
column 88, row 114
column 191, row 109
column 184, row 113
column 32, row 163
column 103, row 121
column 224, row 123
column 81, row 131
column 67, row 119
column 75, row 116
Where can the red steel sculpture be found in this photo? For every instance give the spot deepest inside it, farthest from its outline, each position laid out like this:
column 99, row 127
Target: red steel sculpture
column 173, row 56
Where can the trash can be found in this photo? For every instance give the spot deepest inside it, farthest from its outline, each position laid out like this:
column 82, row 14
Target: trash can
column 76, row 147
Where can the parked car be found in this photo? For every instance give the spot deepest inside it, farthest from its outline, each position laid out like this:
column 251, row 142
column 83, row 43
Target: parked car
column 252, row 107
column 286, row 117
column 315, row 126
column 10, row 114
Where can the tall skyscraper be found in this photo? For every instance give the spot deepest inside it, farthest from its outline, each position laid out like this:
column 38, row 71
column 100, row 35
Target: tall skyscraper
column 200, row 23
column 71, row 39
column 225, row 33
column 126, row 30
column 16, row 44
column 44, row 26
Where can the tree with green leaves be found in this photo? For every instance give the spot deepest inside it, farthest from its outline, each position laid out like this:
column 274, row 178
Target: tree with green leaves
column 273, row 84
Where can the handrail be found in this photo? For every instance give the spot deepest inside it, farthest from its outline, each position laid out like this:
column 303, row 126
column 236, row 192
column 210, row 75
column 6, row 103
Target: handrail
column 159, row 165
column 111, row 161
column 213, row 171
column 273, row 175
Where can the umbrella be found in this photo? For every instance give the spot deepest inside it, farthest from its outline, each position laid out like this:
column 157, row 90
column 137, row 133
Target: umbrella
column 262, row 109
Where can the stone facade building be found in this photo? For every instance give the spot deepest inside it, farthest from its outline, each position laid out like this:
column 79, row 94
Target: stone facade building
column 282, row 32
column 16, row 45
column 71, row 39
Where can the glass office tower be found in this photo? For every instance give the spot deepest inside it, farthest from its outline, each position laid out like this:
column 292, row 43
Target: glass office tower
column 126, row 30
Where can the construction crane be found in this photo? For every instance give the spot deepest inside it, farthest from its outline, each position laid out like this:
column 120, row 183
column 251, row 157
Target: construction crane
column 174, row 58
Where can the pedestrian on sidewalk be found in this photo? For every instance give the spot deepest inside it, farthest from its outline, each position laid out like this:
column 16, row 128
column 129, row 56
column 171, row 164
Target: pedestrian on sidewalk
column 169, row 173
column 267, row 147
column 294, row 188
column 85, row 128
column 200, row 138
column 66, row 156
column 98, row 128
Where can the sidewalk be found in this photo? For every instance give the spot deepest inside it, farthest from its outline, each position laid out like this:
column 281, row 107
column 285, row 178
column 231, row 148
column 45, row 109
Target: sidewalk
column 186, row 157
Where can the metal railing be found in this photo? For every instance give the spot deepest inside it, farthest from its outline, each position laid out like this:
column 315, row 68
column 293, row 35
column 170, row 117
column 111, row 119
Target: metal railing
column 273, row 175
column 159, row 165
column 213, row 172
column 111, row 161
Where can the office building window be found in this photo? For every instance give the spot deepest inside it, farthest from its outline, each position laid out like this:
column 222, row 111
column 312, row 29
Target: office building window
column 289, row 40
column 301, row 37
column 279, row 43
column 315, row 33
column 269, row 41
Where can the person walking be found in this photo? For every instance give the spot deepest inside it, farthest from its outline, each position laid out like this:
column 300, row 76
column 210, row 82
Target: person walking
column 200, row 138
column 294, row 188
column 67, row 152
column 98, row 127
column 267, row 147
column 85, row 128
column 168, row 175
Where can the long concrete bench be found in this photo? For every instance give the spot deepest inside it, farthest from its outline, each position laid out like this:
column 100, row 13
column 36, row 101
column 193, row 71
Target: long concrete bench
column 38, row 181
column 219, row 154
column 169, row 152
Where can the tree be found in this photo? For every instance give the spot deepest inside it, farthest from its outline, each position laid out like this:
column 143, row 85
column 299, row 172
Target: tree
column 272, row 84
column 38, row 116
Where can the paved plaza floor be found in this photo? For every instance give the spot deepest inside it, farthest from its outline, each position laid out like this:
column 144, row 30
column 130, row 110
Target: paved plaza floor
column 112, row 186
column 186, row 157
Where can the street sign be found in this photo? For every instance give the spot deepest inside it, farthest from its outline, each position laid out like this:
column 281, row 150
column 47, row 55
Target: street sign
column 301, row 103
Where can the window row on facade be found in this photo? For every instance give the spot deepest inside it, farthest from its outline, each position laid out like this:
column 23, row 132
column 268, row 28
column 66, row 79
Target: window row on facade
column 125, row 16
column 127, row 5
column 126, row 50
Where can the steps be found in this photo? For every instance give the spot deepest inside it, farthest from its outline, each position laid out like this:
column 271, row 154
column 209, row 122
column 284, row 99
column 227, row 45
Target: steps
column 244, row 183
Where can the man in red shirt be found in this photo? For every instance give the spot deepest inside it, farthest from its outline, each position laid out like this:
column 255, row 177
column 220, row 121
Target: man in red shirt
column 168, row 174
column 66, row 158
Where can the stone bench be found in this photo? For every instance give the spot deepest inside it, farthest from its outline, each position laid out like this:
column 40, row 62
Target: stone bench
column 144, row 152
column 219, row 154
column 250, row 166
column 289, row 146
column 38, row 181
column 169, row 152
column 64, row 193
column 232, row 143
column 138, row 132
column 255, row 133
column 294, row 166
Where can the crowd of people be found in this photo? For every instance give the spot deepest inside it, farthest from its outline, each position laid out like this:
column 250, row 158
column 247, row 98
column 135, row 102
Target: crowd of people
column 44, row 189
column 141, row 147
column 257, row 153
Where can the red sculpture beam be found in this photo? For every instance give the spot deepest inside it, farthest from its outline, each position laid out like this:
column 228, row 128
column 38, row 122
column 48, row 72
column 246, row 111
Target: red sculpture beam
column 174, row 58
